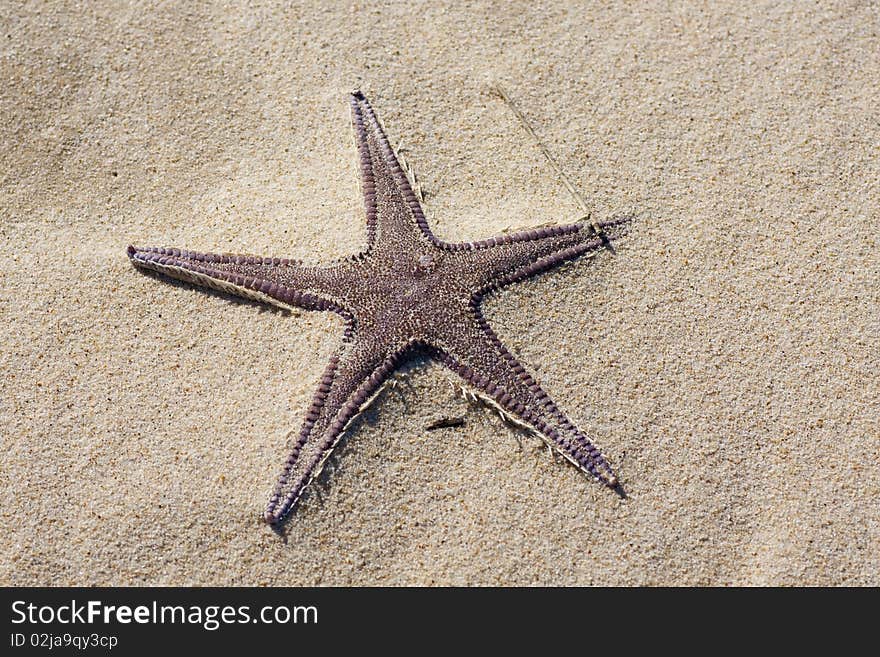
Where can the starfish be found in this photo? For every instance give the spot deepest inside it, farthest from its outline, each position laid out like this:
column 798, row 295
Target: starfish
column 407, row 293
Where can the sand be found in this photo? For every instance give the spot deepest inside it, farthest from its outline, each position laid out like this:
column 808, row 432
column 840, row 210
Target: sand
column 725, row 359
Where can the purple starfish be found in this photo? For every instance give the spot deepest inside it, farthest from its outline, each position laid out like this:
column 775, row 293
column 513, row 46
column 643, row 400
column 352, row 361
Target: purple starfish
column 407, row 292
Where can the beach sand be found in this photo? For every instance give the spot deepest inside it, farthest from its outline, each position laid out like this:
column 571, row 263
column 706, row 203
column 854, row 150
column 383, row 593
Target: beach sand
column 725, row 359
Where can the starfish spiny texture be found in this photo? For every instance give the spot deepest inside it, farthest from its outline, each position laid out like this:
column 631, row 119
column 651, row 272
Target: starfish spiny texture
column 407, row 292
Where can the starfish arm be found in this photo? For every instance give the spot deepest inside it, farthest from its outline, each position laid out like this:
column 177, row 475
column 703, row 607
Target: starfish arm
column 277, row 281
column 394, row 213
column 350, row 382
column 479, row 357
column 511, row 258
